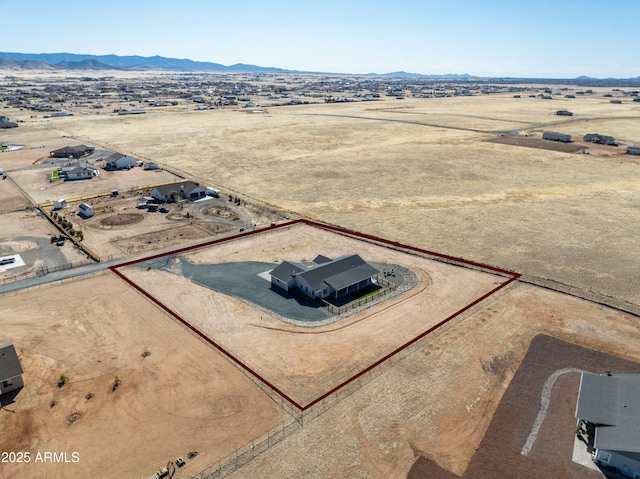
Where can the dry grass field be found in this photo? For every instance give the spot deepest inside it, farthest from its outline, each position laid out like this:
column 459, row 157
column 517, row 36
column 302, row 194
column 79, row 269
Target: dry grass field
column 385, row 169
column 418, row 171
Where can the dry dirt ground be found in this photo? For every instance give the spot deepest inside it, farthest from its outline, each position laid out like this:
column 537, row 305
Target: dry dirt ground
column 306, row 362
column 183, row 396
column 438, row 402
column 420, row 172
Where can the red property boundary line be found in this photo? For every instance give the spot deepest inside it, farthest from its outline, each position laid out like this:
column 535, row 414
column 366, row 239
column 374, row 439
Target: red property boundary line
column 512, row 277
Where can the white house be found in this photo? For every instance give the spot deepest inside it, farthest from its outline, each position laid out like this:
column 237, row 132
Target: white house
column 118, row 161
column 85, row 210
column 10, row 369
column 608, row 413
column 81, row 173
column 173, row 192
column 327, row 277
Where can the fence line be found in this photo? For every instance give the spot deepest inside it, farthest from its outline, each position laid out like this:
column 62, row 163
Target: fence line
column 589, row 295
column 50, row 284
column 45, row 270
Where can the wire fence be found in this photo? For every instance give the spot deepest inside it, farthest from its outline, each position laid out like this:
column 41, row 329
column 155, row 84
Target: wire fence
column 242, row 456
column 582, row 293
column 50, row 284
column 43, row 271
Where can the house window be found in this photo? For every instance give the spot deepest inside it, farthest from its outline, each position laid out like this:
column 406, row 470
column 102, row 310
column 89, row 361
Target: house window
column 7, row 383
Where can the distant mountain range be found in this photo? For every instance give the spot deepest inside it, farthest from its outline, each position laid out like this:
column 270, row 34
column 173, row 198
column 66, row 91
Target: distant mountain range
column 72, row 61
column 77, row 62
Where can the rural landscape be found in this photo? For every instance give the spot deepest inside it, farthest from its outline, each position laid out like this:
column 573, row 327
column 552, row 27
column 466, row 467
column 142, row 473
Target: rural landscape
column 147, row 217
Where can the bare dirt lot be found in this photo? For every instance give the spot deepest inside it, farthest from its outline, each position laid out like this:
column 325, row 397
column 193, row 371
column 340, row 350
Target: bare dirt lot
column 181, row 397
column 308, row 362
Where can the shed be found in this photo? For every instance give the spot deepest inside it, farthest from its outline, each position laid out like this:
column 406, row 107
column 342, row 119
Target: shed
column 551, row 135
column 85, row 210
column 633, row 150
column 10, row 369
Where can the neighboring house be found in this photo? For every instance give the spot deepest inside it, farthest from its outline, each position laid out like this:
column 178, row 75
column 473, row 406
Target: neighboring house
column 71, row 151
column 326, row 277
column 118, row 161
column 85, row 210
column 551, row 135
column 80, row 173
column 633, row 150
column 6, row 123
column 10, row 369
column 608, row 413
column 173, row 192
column 600, row 139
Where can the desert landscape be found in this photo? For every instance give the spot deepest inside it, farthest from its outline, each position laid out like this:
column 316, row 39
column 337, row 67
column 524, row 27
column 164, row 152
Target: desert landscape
column 468, row 176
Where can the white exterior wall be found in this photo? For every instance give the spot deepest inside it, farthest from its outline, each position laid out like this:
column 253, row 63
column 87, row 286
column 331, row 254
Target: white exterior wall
column 11, row 384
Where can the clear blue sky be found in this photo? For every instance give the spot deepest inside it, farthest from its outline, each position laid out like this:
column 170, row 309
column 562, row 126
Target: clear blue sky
column 539, row 38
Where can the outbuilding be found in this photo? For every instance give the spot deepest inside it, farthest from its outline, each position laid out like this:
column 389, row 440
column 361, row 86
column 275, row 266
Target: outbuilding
column 633, row 150
column 10, row 369
column 85, row 210
column 551, row 135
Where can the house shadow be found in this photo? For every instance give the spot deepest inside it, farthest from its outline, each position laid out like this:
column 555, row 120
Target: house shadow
column 9, row 398
column 297, row 296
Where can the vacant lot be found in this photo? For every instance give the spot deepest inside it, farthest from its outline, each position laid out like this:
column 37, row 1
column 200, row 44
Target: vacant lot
column 179, row 396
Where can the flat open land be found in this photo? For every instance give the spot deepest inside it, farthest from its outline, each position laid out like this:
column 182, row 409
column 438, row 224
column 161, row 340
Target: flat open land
column 306, row 362
column 181, row 397
column 462, row 176
column 419, row 171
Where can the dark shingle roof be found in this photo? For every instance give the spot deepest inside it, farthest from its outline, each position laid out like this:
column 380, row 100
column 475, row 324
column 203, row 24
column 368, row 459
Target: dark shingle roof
column 286, row 270
column 9, row 362
column 338, row 273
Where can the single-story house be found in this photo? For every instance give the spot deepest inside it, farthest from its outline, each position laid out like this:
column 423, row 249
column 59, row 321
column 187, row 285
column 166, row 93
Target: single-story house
column 71, row 151
column 326, row 277
column 608, row 413
column 174, row 191
column 10, row 369
column 600, row 139
column 85, row 210
column 551, row 135
column 118, row 161
column 80, row 173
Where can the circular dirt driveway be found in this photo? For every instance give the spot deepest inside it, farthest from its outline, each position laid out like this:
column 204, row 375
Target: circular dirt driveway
column 122, row 219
